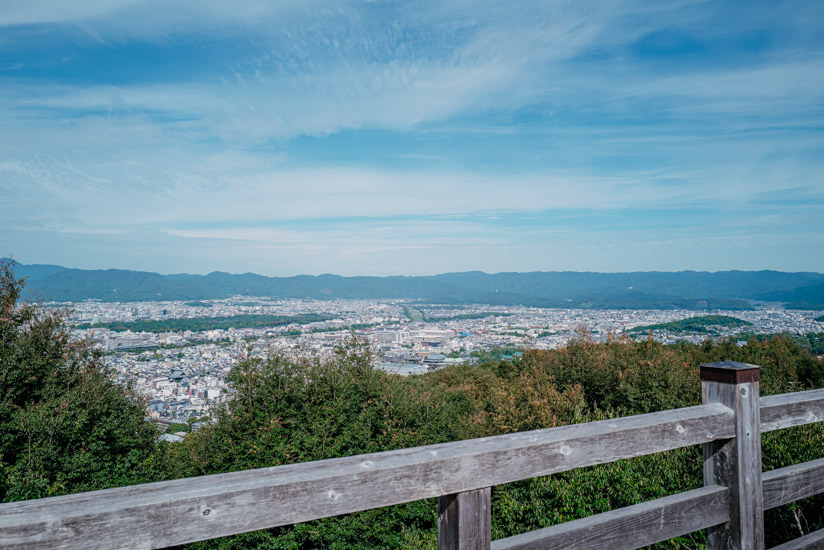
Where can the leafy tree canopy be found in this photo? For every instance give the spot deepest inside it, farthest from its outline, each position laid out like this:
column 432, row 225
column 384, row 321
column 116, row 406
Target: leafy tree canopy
column 65, row 425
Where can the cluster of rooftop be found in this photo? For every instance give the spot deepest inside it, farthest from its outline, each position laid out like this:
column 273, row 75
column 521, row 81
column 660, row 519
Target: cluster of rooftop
column 183, row 372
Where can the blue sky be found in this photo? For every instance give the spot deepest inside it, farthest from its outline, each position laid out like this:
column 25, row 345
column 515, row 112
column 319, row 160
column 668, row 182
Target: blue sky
column 412, row 138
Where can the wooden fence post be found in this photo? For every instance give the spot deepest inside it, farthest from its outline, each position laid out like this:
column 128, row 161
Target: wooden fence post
column 736, row 463
column 464, row 520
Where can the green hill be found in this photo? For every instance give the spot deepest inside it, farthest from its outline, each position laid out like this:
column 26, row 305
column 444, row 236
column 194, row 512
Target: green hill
column 706, row 324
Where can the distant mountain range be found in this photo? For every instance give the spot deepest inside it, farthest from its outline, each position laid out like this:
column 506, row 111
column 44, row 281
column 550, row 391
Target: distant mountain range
column 639, row 290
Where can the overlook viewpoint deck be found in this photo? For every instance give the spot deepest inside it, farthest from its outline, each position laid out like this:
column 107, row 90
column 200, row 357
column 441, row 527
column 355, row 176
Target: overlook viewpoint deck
column 730, row 505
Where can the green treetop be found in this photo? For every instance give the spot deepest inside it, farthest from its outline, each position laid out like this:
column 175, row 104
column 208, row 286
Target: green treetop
column 65, row 425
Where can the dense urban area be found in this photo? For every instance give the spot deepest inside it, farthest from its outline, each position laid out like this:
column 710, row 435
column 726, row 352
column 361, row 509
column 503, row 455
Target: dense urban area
column 179, row 353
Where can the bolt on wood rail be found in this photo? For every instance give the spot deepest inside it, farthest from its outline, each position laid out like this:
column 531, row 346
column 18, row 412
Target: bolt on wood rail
column 730, row 505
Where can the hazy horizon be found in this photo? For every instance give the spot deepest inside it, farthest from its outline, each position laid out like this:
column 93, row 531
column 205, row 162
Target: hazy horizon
column 319, row 274
column 378, row 138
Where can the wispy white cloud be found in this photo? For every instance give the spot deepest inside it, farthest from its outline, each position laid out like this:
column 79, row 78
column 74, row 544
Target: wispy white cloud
column 146, row 19
column 780, row 89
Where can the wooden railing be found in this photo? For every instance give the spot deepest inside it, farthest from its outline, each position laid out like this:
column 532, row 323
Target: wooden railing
column 730, row 505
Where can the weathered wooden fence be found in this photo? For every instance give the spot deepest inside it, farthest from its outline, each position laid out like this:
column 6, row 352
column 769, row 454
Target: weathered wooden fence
column 730, row 505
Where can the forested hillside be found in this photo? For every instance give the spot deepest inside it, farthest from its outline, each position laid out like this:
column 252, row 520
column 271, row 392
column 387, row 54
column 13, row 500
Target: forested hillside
column 565, row 289
column 65, row 427
column 706, row 324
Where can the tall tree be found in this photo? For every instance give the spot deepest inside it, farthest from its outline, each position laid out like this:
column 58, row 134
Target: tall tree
column 65, row 424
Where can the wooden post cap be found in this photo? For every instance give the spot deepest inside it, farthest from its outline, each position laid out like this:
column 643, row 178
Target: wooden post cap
column 730, row 372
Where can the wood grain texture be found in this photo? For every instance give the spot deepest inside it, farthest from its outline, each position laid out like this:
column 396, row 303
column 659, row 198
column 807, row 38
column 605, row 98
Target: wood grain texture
column 464, row 520
column 813, row 541
column 631, row 527
column 737, row 464
column 791, row 409
column 162, row 514
column 793, row 483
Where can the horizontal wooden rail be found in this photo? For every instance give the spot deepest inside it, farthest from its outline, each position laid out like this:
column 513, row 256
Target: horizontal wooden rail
column 162, row 514
column 791, row 409
column 664, row 518
column 792, row 483
column 813, row 541
column 631, row 527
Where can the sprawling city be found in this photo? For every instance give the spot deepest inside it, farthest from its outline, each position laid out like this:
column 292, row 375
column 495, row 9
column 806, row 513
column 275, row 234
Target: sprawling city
column 183, row 372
